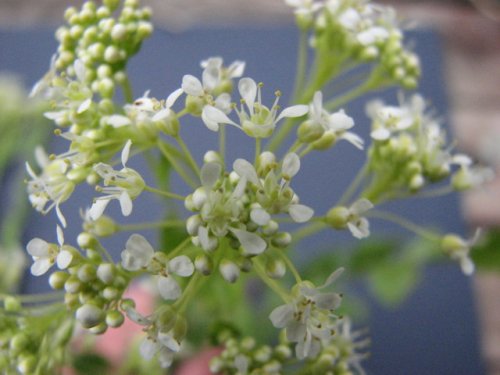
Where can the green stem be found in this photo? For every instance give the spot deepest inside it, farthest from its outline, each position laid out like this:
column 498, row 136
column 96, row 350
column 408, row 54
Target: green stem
column 164, row 193
column 127, row 91
column 188, row 293
column 222, row 143
column 179, row 247
column 354, row 185
column 290, row 266
column 258, row 147
column 164, row 148
column 300, row 75
column 192, row 163
column 34, row 298
column 396, row 219
column 308, row 230
column 278, row 289
column 159, row 224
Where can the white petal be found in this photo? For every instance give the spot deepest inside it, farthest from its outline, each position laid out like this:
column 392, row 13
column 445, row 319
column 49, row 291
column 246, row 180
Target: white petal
column 60, row 216
column 293, row 111
column 162, row 114
column 462, row 160
column 354, row 139
column 139, row 246
column 333, row 277
column 467, row 265
column 241, row 362
column 300, row 213
column 291, row 165
column 372, row 35
column 244, row 169
column 148, row 349
column 213, row 116
column 252, row 243
column 317, row 104
column 64, row 259
column 328, row 301
column 84, row 106
column 281, row 316
column 361, row 229
column 340, row 121
column 169, row 288
column 40, row 266
column 380, row 134
column 210, row 173
column 126, row 152
column 54, row 116
column 181, row 265
column 125, row 204
column 98, row 208
column 134, row 316
column 210, row 77
column 248, row 91
column 236, row 69
column 192, row 85
column 260, row 216
column 295, row 331
column 172, row 98
column 38, row 247
column 223, row 102
column 79, row 67
column 169, row 342
column 239, row 190
column 361, row 206
column 117, row 121
column 203, row 237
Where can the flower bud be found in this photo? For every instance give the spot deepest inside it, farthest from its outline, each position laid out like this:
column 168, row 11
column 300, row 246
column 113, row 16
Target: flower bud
column 452, row 243
column 89, row 315
column 192, row 224
column 270, row 228
column 275, row 268
column 73, row 285
column 229, row 270
column 110, row 293
column 199, row 198
column 86, row 273
column 326, row 141
column 26, row 364
column 212, row 157
column 57, row 280
column 281, row 239
column 12, row 304
column 106, row 272
column 338, row 217
column 194, row 105
column 114, row 318
column 309, row 131
column 203, row 264
column 99, row 329
column 86, row 240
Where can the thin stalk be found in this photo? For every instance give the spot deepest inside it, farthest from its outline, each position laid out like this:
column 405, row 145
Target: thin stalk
column 258, row 148
column 179, row 247
column 187, row 179
column 351, row 189
column 300, row 75
column 127, row 91
column 164, row 193
column 189, row 292
column 222, row 143
column 405, row 223
column 34, row 298
column 192, row 163
column 277, row 288
column 308, row 230
column 290, row 266
column 158, row 224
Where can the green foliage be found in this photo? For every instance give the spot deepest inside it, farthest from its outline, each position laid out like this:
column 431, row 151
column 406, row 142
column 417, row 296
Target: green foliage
column 486, row 254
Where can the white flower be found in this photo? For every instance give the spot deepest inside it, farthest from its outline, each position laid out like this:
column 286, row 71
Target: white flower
column 51, row 185
column 337, row 123
column 357, row 224
column 469, row 175
column 45, row 254
column 128, row 184
column 137, row 254
column 308, row 318
column 459, row 249
column 256, row 120
column 167, row 285
column 304, row 8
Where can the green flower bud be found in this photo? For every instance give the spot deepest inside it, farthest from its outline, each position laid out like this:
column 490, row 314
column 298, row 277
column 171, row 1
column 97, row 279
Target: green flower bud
column 203, row 264
column 106, row 272
column 326, row 141
column 461, row 180
column 106, row 88
column 270, row 228
column 58, row 279
column 118, row 32
column 114, row 318
column 283, row 352
column 229, row 270
column 263, row 354
column 86, row 240
column 170, row 125
column 99, row 329
column 275, row 268
column 73, row 285
column 110, row 293
column 248, row 344
column 18, row 343
column 338, row 217
column 309, row 131
column 113, row 55
column 281, row 239
column 194, row 105
column 102, row 12
column 111, row 4
column 71, row 301
column 86, row 273
column 90, row 316
column 452, row 243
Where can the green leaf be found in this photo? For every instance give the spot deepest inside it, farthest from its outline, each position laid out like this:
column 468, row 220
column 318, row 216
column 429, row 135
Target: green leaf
column 486, row 255
column 91, row 364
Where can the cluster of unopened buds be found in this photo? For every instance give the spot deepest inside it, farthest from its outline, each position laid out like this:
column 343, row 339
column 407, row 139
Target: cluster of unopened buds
column 240, row 215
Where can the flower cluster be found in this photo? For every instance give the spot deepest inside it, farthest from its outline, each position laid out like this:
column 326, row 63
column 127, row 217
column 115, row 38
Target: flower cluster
column 242, row 215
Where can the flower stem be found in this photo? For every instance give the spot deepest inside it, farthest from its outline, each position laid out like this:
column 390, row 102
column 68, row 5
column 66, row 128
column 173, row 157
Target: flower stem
column 127, row 91
column 412, row 227
column 158, row 224
column 308, row 230
column 277, row 288
column 290, row 266
column 179, row 247
column 192, row 163
column 351, row 189
column 164, row 193
column 166, row 150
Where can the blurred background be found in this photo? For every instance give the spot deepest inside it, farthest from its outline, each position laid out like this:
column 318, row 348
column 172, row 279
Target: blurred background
column 470, row 37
